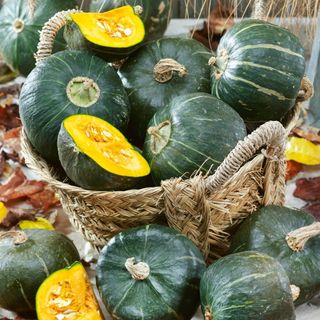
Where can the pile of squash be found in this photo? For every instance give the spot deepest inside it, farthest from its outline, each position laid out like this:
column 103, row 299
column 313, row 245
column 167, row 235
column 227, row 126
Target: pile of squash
column 154, row 272
column 170, row 109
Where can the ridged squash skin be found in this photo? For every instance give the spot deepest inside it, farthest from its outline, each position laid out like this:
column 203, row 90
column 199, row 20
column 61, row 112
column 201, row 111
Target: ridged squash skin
column 171, row 291
column 146, row 94
column 23, row 267
column 18, row 47
column 246, row 286
column 266, row 230
column 201, row 130
column 258, row 70
column 44, row 102
column 155, row 13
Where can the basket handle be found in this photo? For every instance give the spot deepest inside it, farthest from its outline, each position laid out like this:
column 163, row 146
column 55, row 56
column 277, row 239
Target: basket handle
column 49, row 33
column 260, row 7
column 270, row 134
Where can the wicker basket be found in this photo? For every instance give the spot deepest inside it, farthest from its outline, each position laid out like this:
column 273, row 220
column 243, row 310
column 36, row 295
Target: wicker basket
column 205, row 209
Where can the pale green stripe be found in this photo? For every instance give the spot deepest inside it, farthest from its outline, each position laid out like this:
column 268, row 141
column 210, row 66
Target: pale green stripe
column 268, row 46
column 256, row 65
column 264, row 90
column 45, row 269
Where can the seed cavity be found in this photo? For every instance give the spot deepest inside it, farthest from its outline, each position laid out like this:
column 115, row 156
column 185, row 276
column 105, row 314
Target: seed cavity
column 116, row 28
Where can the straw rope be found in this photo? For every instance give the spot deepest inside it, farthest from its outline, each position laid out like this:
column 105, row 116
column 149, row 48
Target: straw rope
column 260, row 7
column 49, row 33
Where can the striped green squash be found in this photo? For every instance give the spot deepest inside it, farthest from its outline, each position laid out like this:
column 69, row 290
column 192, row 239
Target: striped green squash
column 150, row 272
column 20, row 23
column 158, row 72
column 26, row 259
column 194, row 131
column 246, row 286
column 258, row 70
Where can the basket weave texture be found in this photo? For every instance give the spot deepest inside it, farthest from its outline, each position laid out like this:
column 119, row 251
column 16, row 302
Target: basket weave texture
column 205, row 209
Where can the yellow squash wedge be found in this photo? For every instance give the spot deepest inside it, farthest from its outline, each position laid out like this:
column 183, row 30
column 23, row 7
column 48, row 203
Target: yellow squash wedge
column 67, row 295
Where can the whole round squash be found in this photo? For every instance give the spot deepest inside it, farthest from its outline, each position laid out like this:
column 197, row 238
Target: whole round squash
column 258, row 70
column 26, row 259
column 20, row 23
column 290, row 236
column 155, row 14
column 150, row 272
column 67, row 83
column 246, row 286
column 195, row 131
column 160, row 71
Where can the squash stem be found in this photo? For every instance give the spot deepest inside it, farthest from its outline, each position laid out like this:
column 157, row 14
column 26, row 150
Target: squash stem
column 297, row 239
column 295, row 292
column 207, row 314
column 164, row 70
column 18, row 236
column 139, row 271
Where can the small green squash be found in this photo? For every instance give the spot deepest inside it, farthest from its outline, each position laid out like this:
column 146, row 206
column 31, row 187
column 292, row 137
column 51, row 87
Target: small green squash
column 67, row 83
column 95, row 155
column 258, row 70
column 150, row 272
column 160, row 71
column 195, row 131
column 290, row 236
column 155, row 14
column 20, row 23
column 111, row 35
column 246, row 286
column 26, row 259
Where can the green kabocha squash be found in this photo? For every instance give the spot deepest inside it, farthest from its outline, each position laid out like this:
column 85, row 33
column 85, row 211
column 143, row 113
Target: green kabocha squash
column 20, row 23
column 95, row 155
column 155, row 14
column 160, row 71
column 26, row 259
column 194, row 131
column 67, row 83
column 150, row 272
column 292, row 237
column 258, row 70
column 246, row 286
column 112, row 35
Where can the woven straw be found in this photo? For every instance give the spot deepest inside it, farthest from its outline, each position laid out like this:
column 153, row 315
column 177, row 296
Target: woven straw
column 205, row 209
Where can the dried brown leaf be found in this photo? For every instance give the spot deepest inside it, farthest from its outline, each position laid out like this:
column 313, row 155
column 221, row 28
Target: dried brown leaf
column 314, row 209
column 15, row 215
column 293, row 168
column 312, row 135
column 308, row 189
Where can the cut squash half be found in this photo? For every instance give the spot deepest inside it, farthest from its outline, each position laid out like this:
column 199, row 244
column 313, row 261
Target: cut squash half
column 67, row 294
column 96, row 156
column 117, row 28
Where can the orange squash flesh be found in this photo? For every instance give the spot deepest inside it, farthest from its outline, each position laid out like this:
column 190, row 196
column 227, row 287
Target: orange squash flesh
column 67, row 295
column 106, row 145
column 117, row 28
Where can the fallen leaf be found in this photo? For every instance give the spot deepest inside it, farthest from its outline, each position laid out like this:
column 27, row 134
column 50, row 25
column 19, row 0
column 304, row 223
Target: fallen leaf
column 15, row 215
column 44, row 200
column 27, row 188
column 11, row 145
column 308, row 189
column 293, row 168
column 312, row 135
column 16, row 179
column 314, row 209
column 2, row 163
column 9, row 116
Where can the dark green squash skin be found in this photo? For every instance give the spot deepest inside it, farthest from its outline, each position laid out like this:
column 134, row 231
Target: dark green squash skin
column 18, row 49
column 155, row 13
column 203, row 132
column 260, row 83
column 44, row 103
column 266, row 230
column 25, row 266
column 76, row 41
column 85, row 172
column 147, row 95
column 246, row 286
column 170, row 292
